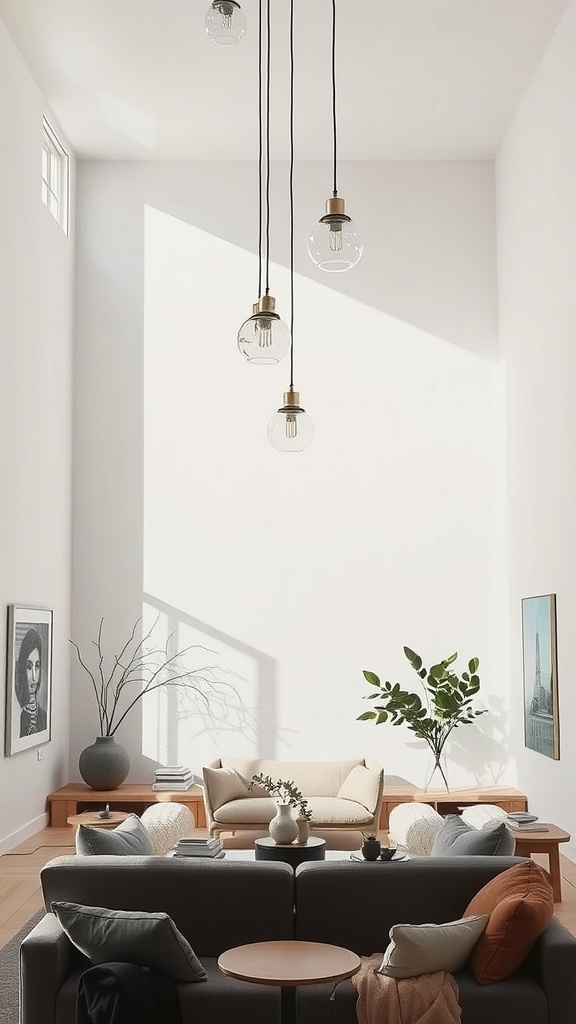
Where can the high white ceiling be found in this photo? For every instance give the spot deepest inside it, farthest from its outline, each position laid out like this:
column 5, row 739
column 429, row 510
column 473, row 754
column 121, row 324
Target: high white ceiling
column 139, row 79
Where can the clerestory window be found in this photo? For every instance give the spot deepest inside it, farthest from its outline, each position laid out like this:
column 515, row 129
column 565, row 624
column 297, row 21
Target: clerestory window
column 54, row 175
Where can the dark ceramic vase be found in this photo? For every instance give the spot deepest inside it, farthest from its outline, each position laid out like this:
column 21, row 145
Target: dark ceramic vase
column 104, row 764
column 371, row 848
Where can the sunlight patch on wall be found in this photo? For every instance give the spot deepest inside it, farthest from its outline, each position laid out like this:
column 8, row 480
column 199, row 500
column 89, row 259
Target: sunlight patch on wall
column 307, row 567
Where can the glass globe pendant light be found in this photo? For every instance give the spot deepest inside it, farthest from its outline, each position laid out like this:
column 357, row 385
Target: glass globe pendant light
column 291, row 429
column 264, row 338
column 334, row 244
column 225, row 22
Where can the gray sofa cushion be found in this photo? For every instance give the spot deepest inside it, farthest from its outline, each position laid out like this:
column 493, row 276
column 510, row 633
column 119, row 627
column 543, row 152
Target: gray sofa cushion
column 134, row 937
column 128, row 837
column 456, row 838
column 519, row 998
column 188, row 889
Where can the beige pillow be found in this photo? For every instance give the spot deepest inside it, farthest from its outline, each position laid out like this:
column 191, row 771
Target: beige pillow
column 425, row 948
column 223, row 785
column 361, row 785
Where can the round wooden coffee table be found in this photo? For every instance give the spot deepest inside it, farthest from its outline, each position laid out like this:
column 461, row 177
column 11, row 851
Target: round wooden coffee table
column 93, row 818
column 289, row 963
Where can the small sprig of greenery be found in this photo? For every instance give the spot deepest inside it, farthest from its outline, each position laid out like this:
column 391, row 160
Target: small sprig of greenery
column 448, row 699
column 285, row 793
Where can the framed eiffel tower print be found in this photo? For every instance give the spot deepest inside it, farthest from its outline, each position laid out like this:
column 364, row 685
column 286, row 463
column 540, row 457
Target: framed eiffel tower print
column 540, row 669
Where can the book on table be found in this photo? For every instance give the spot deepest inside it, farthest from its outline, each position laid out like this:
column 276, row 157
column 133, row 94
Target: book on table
column 171, row 787
column 528, row 826
column 199, row 856
column 199, row 841
column 198, row 848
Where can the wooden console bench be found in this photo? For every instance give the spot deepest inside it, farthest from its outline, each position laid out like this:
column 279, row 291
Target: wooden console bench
column 77, row 797
column 398, row 791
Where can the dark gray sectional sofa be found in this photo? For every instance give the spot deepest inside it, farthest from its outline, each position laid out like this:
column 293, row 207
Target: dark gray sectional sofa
column 225, row 903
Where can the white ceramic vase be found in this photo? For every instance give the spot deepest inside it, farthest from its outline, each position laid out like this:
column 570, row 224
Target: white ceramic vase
column 303, row 830
column 283, row 828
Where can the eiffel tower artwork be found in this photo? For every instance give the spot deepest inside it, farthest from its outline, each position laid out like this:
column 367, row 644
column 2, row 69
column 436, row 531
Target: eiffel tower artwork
column 540, row 675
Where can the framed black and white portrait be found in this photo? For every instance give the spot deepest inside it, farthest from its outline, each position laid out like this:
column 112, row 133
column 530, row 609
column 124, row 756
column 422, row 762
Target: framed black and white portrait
column 28, row 678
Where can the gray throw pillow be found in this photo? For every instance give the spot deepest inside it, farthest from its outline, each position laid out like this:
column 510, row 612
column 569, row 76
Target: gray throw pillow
column 455, row 838
column 132, row 937
column 129, row 837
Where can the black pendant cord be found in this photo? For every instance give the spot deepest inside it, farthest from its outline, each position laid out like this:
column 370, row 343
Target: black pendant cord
column 260, row 149
column 335, row 188
column 291, row 189
column 268, row 147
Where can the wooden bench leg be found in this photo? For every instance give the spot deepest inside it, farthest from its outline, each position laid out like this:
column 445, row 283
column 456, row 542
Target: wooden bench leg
column 59, row 812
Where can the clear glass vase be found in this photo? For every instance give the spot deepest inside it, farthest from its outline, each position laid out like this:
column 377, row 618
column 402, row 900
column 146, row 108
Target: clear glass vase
column 436, row 777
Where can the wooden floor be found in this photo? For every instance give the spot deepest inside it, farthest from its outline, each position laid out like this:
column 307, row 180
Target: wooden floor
column 20, row 895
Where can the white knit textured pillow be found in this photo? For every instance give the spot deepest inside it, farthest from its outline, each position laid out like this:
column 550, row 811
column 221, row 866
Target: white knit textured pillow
column 166, row 823
column 483, row 814
column 413, row 826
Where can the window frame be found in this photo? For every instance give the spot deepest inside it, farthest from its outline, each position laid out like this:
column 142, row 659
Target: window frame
column 55, row 175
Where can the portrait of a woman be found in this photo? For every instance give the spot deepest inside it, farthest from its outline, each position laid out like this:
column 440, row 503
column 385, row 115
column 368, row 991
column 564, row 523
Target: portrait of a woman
column 28, row 677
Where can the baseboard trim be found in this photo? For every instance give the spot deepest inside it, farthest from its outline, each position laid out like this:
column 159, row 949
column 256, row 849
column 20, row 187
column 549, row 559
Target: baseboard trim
column 569, row 851
column 13, row 840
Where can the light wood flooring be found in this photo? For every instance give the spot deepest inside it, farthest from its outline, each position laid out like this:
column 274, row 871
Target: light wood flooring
column 20, row 895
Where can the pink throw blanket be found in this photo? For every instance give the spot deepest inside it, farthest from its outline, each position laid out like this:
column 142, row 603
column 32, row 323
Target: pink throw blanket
column 425, row 999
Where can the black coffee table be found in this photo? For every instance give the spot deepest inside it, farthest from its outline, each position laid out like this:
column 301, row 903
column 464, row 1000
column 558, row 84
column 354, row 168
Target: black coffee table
column 292, row 853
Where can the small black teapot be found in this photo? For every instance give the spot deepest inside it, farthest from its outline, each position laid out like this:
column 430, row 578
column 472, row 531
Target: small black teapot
column 371, row 847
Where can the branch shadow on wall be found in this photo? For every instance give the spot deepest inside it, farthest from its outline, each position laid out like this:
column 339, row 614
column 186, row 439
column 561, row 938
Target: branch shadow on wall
column 234, row 712
column 483, row 748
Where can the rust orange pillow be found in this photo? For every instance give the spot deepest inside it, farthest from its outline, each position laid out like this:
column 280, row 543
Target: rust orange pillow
column 520, row 906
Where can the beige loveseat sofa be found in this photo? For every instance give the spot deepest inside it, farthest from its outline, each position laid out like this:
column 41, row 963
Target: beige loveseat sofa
column 340, row 794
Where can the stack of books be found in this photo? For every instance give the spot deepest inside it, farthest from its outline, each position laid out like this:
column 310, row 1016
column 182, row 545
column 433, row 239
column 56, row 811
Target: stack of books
column 205, row 847
column 173, row 778
column 522, row 821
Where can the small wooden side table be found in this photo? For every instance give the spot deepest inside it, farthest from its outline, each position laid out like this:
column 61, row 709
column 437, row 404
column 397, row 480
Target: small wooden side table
column 289, row 963
column 94, row 819
column 544, row 842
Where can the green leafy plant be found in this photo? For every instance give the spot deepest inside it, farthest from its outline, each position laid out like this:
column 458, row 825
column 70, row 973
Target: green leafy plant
column 447, row 702
column 284, row 792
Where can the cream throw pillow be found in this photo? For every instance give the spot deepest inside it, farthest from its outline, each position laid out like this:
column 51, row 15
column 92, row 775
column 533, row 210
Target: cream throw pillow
column 362, row 786
column 425, row 948
column 223, row 785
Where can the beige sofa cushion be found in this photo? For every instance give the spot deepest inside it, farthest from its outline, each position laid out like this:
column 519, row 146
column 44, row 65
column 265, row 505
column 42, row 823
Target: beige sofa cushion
column 224, row 785
column 325, row 811
column 361, row 785
column 323, row 778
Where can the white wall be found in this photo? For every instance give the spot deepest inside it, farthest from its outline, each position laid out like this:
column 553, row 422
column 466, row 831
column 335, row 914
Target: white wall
column 298, row 571
column 536, row 171
column 36, row 280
